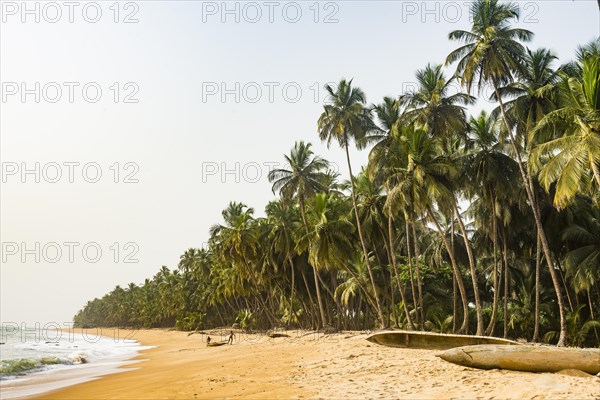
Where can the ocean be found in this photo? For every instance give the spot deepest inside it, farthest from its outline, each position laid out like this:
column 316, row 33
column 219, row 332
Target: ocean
column 34, row 360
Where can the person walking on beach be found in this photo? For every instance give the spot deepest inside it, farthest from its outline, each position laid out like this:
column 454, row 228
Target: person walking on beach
column 230, row 338
column 208, row 340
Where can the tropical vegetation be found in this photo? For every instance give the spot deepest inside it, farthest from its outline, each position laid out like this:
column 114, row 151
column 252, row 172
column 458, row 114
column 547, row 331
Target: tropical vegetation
column 486, row 223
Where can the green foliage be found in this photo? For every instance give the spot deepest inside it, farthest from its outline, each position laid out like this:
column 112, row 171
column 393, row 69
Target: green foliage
column 245, row 320
column 440, row 203
column 190, row 322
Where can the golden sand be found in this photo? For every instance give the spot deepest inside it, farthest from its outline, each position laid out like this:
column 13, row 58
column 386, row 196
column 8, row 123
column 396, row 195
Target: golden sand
column 340, row 366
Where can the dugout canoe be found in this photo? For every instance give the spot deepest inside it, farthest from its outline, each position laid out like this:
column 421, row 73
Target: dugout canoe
column 215, row 344
column 525, row 358
column 431, row 340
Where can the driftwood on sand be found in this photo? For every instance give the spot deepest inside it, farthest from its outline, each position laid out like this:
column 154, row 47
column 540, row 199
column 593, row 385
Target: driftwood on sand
column 525, row 358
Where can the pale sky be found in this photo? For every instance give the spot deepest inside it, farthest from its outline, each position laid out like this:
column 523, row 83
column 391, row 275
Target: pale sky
column 183, row 63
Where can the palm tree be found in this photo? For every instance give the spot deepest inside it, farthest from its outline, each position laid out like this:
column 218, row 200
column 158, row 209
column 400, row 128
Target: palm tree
column 443, row 115
column 381, row 159
column 420, row 179
column 433, row 106
column 282, row 223
column 572, row 160
column 491, row 173
column 328, row 238
column 582, row 262
column 237, row 244
column 306, row 176
column 535, row 94
column 345, row 119
column 492, row 54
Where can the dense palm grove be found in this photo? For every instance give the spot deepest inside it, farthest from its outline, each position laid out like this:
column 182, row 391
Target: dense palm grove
column 486, row 224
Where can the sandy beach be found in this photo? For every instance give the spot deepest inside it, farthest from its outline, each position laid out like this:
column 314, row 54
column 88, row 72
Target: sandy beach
column 310, row 365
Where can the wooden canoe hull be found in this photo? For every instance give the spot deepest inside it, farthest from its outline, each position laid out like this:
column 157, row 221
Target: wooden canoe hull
column 215, row 344
column 525, row 358
column 430, row 340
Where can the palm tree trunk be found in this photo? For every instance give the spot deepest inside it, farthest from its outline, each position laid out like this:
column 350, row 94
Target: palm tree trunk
column 454, row 303
column 454, row 286
column 392, row 313
column 506, row 284
column 400, row 288
column 310, row 298
column 473, row 272
column 421, row 309
column 319, row 300
column 538, row 222
column 293, row 291
column 410, row 266
column 270, row 317
column 589, row 296
column 536, row 324
column 362, row 240
column 494, row 317
column 464, row 328
column 315, row 273
column 564, row 282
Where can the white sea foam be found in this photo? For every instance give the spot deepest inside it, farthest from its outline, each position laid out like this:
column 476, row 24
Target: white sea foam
column 30, row 364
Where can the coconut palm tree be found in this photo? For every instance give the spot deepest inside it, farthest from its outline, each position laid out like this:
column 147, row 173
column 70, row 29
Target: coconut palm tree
column 492, row 54
column 307, row 175
column 421, row 179
column 572, row 160
column 534, row 94
column 282, row 223
column 237, row 244
column 390, row 117
column 433, row 105
column 345, row 118
column 328, row 238
column 492, row 174
column 443, row 115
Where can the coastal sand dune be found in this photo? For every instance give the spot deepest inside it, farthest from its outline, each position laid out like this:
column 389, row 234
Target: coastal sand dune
column 309, row 365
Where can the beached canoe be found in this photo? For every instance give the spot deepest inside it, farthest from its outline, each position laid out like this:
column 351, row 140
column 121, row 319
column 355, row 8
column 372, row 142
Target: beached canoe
column 431, row 340
column 214, row 344
column 525, row 358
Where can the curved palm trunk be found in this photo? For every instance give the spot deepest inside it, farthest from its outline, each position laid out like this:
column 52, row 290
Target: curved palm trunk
column 454, row 287
column 362, row 241
column 473, row 271
column 315, row 273
column 494, row 317
column 421, row 309
column 506, row 285
column 454, row 303
column 410, row 267
column 315, row 323
column 393, row 256
column 464, row 328
column 527, row 182
column 293, row 292
column 536, row 326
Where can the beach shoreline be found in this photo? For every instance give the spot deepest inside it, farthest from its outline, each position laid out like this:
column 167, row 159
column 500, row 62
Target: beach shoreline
column 90, row 363
column 309, row 365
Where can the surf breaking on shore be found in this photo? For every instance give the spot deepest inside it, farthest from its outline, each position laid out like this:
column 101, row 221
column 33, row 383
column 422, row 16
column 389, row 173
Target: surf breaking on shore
column 35, row 360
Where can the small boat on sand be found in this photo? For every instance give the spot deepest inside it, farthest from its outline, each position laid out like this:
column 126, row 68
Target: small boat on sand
column 525, row 358
column 431, row 340
column 215, row 344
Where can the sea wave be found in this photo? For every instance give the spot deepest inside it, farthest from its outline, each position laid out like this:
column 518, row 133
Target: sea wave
column 21, row 366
